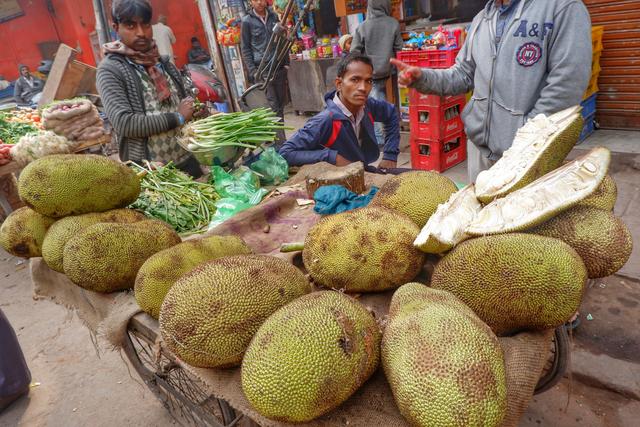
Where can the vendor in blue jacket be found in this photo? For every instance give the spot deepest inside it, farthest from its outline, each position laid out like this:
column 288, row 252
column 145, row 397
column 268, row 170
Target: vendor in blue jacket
column 343, row 132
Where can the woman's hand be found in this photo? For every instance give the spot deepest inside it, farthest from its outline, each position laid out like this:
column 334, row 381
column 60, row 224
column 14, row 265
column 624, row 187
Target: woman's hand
column 186, row 108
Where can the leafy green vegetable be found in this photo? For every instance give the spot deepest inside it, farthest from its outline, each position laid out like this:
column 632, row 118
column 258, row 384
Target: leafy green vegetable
column 11, row 132
column 174, row 197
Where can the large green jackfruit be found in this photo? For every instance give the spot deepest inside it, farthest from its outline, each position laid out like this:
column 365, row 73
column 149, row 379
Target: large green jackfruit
column 68, row 227
column 545, row 198
column 23, row 231
column 310, row 356
column 106, row 257
column 601, row 239
column 514, row 282
column 539, row 147
column 604, row 197
column 446, row 228
column 416, row 194
column 364, row 250
column 162, row 270
column 444, row 365
column 209, row 316
column 70, row 184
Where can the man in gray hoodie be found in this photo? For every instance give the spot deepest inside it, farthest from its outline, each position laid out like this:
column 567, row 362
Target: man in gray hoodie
column 521, row 58
column 379, row 38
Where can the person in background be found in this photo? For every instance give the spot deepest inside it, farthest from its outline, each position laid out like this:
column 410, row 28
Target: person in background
column 343, row 132
column 163, row 35
column 143, row 93
column 28, row 89
column 521, row 58
column 257, row 26
column 14, row 373
column 197, row 54
column 345, row 44
column 379, row 38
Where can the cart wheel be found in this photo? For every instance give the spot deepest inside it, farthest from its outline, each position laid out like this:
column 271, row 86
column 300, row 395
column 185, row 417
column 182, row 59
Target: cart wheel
column 183, row 395
column 556, row 366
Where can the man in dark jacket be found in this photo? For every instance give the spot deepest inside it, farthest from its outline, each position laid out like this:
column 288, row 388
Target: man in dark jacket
column 257, row 27
column 343, row 132
column 379, row 38
column 143, row 93
column 28, row 89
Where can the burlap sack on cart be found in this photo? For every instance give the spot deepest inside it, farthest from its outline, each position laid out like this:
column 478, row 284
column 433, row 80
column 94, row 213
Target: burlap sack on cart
column 264, row 228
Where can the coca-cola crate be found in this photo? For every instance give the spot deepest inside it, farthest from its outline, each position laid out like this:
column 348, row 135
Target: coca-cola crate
column 437, row 122
column 417, row 98
column 438, row 155
column 429, row 58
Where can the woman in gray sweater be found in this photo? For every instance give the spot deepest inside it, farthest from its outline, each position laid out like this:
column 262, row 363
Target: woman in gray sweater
column 143, row 93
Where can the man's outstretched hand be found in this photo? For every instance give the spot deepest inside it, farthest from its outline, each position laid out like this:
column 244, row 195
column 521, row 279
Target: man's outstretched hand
column 407, row 74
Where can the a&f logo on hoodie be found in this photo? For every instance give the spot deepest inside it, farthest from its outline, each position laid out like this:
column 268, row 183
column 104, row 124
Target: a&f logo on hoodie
column 531, row 52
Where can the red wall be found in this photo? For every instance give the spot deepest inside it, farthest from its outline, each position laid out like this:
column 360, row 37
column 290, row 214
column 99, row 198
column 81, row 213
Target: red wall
column 74, row 21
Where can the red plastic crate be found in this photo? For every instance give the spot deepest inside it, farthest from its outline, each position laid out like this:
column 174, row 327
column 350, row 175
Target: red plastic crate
column 438, row 155
column 417, row 98
column 429, row 58
column 437, row 122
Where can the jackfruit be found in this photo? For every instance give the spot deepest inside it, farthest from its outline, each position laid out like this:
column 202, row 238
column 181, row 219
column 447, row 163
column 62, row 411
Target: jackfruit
column 23, row 231
column 604, row 197
column 209, row 316
column 364, row 250
column 106, row 257
column 70, row 184
column 444, row 365
column 545, row 198
column 310, row 356
column 539, row 147
column 68, row 227
column 514, row 282
column 446, row 228
column 162, row 270
column 416, row 194
column 601, row 239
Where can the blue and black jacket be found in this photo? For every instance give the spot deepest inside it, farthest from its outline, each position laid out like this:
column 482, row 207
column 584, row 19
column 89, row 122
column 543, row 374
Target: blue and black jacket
column 330, row 133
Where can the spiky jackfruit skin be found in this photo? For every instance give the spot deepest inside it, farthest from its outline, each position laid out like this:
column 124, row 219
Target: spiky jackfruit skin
column 551, row 159
column 364, row 250
column 416, row 194
column 209, row 316
column 66, row 228
column 310, row 356
column 69, row 184
column 163, row 269
column 106, row 257
column 604, row 197
column 601, row 239
column 514, row 282
column 23, row 231
column 444, row 365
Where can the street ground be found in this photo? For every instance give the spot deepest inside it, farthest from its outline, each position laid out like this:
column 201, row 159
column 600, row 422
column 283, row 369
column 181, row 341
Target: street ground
column 73, row 385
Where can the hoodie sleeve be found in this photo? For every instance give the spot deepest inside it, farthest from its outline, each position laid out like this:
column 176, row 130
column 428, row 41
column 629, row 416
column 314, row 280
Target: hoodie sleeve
column 305, row 146
column 569, row 66
column 388, row 114
column 451, row 81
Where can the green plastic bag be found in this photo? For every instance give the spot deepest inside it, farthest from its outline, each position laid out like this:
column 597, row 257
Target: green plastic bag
column 272, row 167
column 238, row 190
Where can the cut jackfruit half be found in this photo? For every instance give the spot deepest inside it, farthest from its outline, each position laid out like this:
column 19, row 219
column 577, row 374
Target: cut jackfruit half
column 539, row 147
column 544, row 198
column 446, row 227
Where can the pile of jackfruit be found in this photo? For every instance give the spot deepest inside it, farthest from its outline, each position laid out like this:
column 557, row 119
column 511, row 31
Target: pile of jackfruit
column 514, row 252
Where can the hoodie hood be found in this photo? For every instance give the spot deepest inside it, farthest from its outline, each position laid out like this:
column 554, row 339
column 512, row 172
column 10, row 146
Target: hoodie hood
column 378, row 8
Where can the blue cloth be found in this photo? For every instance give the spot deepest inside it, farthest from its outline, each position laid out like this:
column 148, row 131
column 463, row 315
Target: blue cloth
column 330, row 133
column 504, row 15
column 333, row 199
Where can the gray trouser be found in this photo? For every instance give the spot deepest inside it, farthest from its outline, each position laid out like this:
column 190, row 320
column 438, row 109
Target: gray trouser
column 276, row 95
column 477, row 161
column 379, row 92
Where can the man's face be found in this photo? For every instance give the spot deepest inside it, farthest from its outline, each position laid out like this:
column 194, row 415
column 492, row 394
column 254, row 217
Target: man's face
column 195, row 44
column 136, row 34
column 356, row 84
column 24, row 71
column 260, row 6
